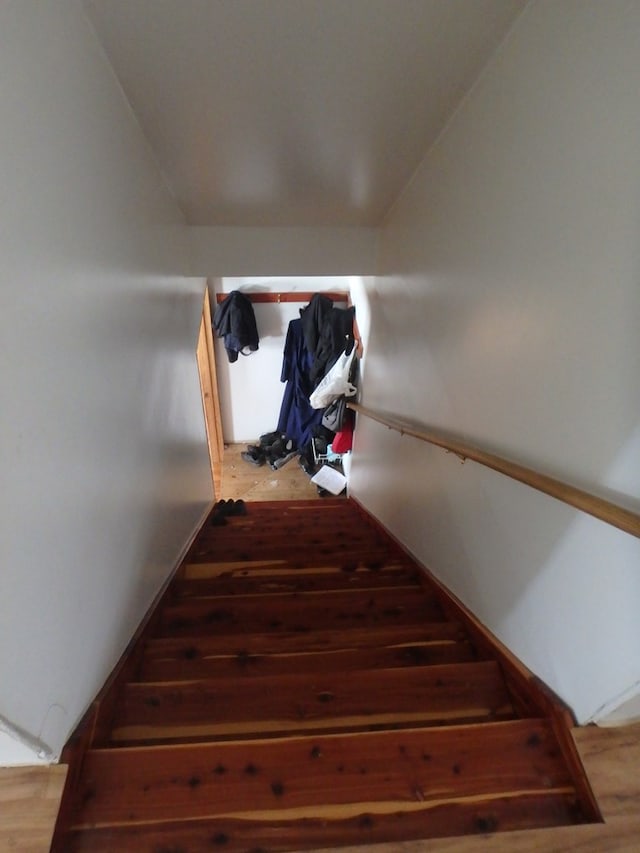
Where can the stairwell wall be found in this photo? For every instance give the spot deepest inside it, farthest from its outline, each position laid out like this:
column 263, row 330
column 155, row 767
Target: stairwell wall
column 103, row 456
column 506, row 311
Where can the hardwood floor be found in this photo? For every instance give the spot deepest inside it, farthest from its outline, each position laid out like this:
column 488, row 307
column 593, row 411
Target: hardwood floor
column 29, row 802
column 251, row 483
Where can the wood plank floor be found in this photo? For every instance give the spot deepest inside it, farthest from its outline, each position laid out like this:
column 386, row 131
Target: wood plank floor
column 252, row 483
column 297, row 690
column 29, row 802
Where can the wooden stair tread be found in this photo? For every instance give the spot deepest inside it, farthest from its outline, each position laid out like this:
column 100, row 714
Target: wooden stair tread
column 302, row 685
column 206, row 567
column 265, row 582
column 301, row 504
column 346, row 535
column 410, row 767
column 291, row 612
column 271, row 524
column 324, row 701
column 233, row 835
column 346, row 526
column 295, row 555
column 190, row 663
column 291, row 642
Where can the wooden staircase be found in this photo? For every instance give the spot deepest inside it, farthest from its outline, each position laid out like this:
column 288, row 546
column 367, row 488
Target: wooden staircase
column 304, row 684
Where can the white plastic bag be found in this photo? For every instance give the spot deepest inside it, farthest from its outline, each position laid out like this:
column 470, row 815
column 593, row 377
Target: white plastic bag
column 335, row 383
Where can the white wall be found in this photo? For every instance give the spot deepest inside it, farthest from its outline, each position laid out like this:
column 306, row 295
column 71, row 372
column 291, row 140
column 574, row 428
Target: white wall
column 220, row 251
column 103, row 454
column 250, row 389
column 506, row 311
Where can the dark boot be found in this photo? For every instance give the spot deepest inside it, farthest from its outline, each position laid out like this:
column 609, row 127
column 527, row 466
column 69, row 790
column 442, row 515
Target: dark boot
column 253, row 455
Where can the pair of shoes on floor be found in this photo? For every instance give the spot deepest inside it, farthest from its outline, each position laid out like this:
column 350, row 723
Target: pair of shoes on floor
column 274, row 448
column 232, row 507
column 266, row 450
column 269, row 438
column 226, row 508
column 253, row 455
column 308, row 466
column 281, row 451
column 282, row 460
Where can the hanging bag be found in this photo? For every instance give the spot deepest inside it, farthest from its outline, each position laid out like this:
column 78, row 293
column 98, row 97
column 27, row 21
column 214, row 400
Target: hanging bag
column 333, row 416
column 336, row 383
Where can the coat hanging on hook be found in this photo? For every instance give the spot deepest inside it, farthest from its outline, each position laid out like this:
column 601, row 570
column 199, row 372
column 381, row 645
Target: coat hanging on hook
column 235, row 321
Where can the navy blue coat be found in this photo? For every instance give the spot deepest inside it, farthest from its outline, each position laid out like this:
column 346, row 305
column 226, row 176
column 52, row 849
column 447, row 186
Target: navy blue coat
column 297, row 418
column 235, row 321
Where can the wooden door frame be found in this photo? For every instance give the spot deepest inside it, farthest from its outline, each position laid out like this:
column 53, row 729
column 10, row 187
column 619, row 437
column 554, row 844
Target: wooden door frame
column 206, row 359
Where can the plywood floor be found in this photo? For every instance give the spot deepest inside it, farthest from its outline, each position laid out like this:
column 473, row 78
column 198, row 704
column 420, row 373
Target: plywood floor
column 240, row 479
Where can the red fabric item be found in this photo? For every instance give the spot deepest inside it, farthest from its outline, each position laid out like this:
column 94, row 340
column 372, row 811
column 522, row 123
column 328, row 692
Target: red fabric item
column 343, row 441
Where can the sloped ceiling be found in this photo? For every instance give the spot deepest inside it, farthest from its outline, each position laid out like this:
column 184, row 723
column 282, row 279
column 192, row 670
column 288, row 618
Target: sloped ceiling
column 295, row 112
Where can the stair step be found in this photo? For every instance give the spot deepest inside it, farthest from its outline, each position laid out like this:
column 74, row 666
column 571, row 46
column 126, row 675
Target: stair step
column 343, row 525
column 360, row 825
column 269, row 581
column 329, row 504
column 296, row 554
column 188, row 662
column 327, row 640
column 291, row 612
column 207, row 566
column 492, row 773
column 288, row 704
column 350, row 537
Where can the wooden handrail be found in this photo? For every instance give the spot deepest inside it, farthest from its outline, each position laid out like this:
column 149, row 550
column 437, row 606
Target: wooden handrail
column 602, row 509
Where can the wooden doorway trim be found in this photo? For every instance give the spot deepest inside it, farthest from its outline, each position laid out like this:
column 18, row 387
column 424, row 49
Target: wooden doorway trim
column 205, row 355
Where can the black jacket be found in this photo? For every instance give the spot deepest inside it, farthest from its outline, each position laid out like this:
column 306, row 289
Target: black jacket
column 313, row 317
column 328, row 332
column 235, row 321
column 336, row 337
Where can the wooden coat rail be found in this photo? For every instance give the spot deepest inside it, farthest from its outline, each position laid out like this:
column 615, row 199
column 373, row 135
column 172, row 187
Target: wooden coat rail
column 300, row 296
column 288, row 296
column 602, row 509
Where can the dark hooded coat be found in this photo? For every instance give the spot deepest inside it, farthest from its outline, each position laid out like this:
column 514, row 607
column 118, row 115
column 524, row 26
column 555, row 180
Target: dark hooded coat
column 235, row 321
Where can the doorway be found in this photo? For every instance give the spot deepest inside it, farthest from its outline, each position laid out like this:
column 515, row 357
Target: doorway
column 242, row 400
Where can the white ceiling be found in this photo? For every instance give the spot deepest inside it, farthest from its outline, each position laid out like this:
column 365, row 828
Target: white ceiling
column 295, row 112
